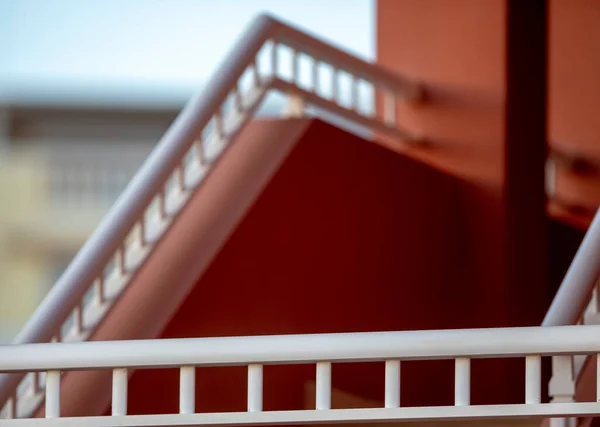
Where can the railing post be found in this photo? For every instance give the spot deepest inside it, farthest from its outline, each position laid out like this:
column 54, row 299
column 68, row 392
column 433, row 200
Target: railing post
column 562, row 387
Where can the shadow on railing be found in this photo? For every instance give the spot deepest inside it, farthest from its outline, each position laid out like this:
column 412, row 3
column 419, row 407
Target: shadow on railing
column 152, row 200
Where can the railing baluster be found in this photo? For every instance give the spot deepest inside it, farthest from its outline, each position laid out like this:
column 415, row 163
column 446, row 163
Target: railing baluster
column 219, row 127
column 598, row 377
column 533, row 379
column 334, row 84
column 187, row 390
column 295, row 66
column 255, row 387
column 389, row 109
column 122, row 260
column 99, row 289
column 323, row 385
column 78, row 318
column 180, row 176
column 200, row 152
column 35, row 383
column 143, row 237
column 12, row 406
column 315, row 75
column 162, row 203
column 462, row 381
column 237, row 98
column 119, row 391
column 256, row 80
column 275, row 59
column 392, row 383
column 53, row 394
column 354, row 93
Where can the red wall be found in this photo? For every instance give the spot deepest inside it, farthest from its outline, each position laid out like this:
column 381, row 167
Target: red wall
column 348, row 236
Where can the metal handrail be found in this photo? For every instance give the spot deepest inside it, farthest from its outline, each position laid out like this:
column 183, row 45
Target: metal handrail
column 577, row 286
column 167, row 159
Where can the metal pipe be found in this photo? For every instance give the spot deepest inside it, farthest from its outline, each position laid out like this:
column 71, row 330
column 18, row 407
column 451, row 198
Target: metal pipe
column 291, row 349
column 578, row 284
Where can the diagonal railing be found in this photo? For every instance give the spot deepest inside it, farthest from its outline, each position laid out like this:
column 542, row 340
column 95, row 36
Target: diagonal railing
column 322, row 350
column 123, row 241
column 576, row 302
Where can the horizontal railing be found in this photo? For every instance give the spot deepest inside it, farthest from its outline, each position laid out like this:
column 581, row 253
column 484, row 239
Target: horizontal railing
column 321, row 350
column 121, row 244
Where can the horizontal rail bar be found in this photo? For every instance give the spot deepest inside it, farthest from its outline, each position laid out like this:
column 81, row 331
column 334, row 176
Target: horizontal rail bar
column 289, row 349
column 435, row 413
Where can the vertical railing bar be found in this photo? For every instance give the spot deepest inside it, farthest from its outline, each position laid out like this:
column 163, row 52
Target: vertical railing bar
column 389, row 108
column 334, row 83
column 323, row 385
column 35, row 383
column 162, row 203
column 180, row 173
column 354, row 93
column 142, row 236
column 315, row 76
column 256, row 80
column 392, row 383
column 200, row 152
column 187, row 389
column 295, row 65
column 275, row 59
column 255, row 387
column 78, row 318
column 598, row 377
column 122, row 259
column 119, row 392
column 462, row 381
column 12, row 406
column 533, row 379
column 53, row 394
column 99, row 289
column 219, row 128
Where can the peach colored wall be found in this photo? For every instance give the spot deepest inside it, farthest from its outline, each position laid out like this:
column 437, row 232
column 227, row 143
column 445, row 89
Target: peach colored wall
column 575, row 95
column 348, row 236
column 482, row 64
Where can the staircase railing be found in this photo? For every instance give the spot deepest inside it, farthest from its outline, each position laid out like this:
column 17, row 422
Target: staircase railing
column 123, row 241
column 576, row 302
column 322, row 350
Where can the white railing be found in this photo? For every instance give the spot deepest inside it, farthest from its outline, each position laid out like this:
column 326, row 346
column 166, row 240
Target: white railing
column 321, row 350
column 121, row 244
column 576, row 302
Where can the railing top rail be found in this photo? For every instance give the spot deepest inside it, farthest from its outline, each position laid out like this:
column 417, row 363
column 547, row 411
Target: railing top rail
column 577, row 286
column 349, row 347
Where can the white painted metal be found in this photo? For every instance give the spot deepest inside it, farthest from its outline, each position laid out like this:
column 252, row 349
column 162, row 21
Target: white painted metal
column 323, row 385
column 533, row 379
column 438, row 413
column 392, row 383
column 53, row 394
column 147, row 190
column 321, row 349
column 349, row 347
column 255, row 387
column 577, row 286
column 119, row 391
column 462, row 381
column 187, row 390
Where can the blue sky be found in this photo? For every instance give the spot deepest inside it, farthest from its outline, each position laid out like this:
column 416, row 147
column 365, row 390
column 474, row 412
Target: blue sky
column 158, row 42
